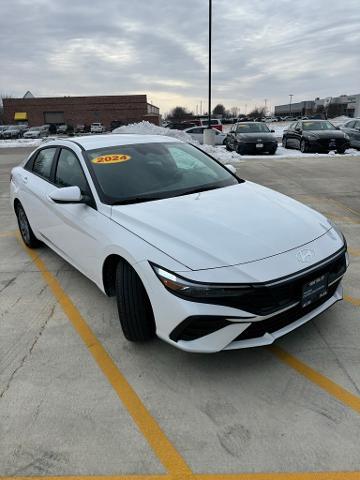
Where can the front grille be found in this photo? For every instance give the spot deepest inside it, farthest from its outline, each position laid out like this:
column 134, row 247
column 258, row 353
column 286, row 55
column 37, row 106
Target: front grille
column 263, row 299
column 258, row 329
column 324, row 142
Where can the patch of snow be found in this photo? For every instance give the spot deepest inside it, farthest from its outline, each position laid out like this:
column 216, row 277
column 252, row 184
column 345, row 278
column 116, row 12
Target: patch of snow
column 146, row 128
column 21, row 142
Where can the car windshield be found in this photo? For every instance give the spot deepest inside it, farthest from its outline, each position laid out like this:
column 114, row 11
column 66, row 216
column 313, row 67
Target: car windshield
column 151, row 171
column 252, row 128
column 308, row 125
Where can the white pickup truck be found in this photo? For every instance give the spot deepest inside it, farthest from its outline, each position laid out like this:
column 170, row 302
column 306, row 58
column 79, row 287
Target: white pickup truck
column 97, row 128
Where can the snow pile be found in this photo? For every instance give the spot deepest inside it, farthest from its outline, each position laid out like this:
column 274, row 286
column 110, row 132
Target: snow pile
column 21, row 142
column 146, row 128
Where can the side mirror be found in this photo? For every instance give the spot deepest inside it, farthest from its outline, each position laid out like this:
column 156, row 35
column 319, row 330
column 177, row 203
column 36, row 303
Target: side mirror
column 272, row 131
column 67, row 195
column 231, row 168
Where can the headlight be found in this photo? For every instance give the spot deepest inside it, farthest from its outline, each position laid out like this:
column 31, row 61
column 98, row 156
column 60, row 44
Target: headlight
column 196, row 290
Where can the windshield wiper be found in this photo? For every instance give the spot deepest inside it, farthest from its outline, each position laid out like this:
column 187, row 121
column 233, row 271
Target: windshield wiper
column 198, row 190
column 130, row 200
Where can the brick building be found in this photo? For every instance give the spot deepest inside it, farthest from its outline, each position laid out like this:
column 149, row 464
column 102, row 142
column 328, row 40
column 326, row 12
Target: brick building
column 80, row 110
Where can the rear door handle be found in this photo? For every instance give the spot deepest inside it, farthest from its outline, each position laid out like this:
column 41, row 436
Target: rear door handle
column 25, row 179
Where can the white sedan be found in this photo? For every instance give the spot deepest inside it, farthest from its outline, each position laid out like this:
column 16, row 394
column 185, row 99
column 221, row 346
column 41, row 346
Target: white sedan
column 197, row 133
column 193, row 254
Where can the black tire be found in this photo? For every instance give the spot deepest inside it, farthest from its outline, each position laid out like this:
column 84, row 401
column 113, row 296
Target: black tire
column 341, row 150
column 239, row 150
column 135, row 312
column 284, row 142
column 303, row 146
column 227, row 146
column 273, row 151
column 26, row 231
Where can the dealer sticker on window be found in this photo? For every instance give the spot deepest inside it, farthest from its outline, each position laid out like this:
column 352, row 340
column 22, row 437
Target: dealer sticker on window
column 111, row 158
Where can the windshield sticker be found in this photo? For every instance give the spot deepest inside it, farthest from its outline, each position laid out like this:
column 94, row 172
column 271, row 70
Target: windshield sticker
column 111, row 158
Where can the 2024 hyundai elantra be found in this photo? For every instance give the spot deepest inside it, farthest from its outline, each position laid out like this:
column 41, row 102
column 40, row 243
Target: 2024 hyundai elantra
column 194, row 254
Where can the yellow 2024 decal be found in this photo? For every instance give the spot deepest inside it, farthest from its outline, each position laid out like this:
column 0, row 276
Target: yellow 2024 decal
column 111, row 158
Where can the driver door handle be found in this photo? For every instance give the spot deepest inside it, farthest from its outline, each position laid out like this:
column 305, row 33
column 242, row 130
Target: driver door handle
column 25, row 179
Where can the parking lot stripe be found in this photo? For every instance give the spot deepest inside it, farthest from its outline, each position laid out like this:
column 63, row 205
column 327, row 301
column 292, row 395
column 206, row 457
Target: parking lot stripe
column 352, row 300
column 332, row 388
column 161, row 445
column 7, row 234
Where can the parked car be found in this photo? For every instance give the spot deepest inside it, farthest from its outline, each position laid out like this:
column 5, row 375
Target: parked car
column 352, row 129
column 3, row 128
column 197, row 133
column 315, row 136
column 206, row 261
column 11, row 132
column 215, row 123
column 62, row 129
column 269, row 119
column 36, row 132
column 180, row 125
column 97, row 127
column 251, row 138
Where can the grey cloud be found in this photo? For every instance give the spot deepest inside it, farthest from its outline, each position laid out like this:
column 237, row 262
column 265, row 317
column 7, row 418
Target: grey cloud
column 261, row 49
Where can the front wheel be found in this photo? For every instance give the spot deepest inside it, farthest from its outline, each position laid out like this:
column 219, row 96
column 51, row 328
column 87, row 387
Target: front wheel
column 25, row 229
column 341, row 150
column 303, row 146
column 284, row 142
column 134, row 307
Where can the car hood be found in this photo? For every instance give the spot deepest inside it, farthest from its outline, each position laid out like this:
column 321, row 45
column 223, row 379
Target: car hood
column 324, row 133
column 227, row 226
column 255, row 137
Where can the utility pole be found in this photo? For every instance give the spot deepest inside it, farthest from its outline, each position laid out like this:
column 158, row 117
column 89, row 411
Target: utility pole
column 210, row 34
column 291, row 96
column 209, row 134
column 265, row 103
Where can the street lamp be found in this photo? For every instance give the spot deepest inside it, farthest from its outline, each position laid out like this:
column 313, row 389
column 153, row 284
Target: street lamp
column 290, row 95
column 209, row 134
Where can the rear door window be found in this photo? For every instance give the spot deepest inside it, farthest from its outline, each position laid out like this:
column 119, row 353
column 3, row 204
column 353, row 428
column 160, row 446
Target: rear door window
column 43, row 163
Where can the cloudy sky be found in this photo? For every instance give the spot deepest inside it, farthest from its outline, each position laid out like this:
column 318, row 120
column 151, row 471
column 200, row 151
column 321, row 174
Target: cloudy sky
column 262, row 49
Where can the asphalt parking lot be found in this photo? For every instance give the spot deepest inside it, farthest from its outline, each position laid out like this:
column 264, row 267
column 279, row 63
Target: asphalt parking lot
column 76, row 399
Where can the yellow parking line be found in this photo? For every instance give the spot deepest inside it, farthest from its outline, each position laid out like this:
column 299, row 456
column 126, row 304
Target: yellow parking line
column 332, row 388
column 354, row 252
column 7, row 234
column 352, row 300
column 161, row 445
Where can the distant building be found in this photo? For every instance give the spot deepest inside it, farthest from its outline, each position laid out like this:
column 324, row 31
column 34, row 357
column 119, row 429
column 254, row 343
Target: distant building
column 348, row 105
column 110, row 110
column 298, row 109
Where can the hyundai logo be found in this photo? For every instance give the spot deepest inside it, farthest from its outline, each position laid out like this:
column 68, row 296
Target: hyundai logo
column 305, row 255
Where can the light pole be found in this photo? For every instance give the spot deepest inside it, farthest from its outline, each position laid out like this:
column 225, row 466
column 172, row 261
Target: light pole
column 291, row 96
column 209, row 134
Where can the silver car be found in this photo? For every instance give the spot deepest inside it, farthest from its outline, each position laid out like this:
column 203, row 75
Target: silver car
column 352, row 128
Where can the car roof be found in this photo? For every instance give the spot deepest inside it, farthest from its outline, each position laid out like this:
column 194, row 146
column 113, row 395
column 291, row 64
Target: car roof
column 92, row 142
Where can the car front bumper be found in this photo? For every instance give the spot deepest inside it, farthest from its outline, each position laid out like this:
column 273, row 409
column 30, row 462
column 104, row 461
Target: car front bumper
column 252, row 149
column 196, row 326
column 324, row 145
